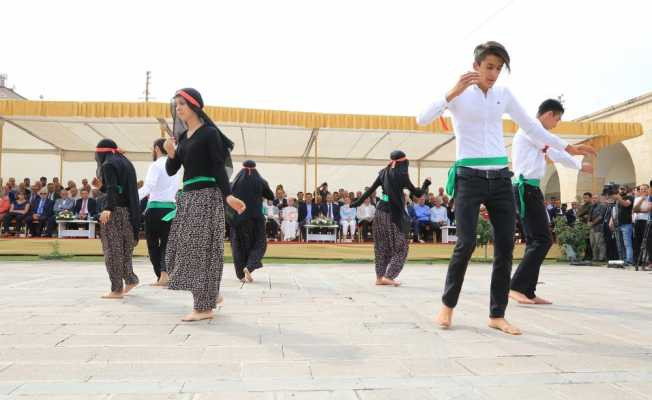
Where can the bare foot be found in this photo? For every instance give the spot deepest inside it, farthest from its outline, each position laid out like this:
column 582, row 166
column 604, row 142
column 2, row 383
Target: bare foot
column 128, row 288
column 444, row 317
column 113, row 295
column 379, row 281
column 539, row 300
column 520, row 297
column 384, row 281
column 198, row 316
column 248, row 277
column 502, row 325
column 220, row 299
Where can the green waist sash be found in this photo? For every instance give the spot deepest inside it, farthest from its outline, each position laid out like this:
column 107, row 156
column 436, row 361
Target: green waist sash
column 199, row 179
column 165, row 205
column 520, row 183
column 471, row 162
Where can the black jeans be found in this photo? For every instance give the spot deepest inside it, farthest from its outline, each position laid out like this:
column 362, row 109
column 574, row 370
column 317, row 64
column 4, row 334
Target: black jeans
column 639, row 232
column 494, row 190
column 156, row 233
column 538, row 241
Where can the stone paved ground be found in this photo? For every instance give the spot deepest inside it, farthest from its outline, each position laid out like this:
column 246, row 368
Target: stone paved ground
column 308, row 332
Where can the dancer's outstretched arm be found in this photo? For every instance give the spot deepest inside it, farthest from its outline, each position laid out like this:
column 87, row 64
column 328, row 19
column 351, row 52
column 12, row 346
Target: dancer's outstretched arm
column 366, row 194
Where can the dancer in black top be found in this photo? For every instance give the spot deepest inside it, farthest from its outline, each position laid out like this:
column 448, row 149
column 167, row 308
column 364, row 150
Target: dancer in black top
column 391, row 227
column 195, row 251
column 120, row 216
column 248, row 239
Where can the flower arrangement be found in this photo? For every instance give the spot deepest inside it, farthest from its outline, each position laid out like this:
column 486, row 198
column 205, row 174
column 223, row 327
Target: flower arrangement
column 65, row 215
column 322, row 221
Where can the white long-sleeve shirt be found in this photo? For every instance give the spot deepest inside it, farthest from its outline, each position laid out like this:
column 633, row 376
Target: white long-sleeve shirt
column 478, row 123
column 158, row 185
column 529, row 157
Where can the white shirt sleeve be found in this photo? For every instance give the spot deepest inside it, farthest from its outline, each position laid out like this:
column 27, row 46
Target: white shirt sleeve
column 564, row 159
column 150, row 182
column 435, row 110
column 529, row 125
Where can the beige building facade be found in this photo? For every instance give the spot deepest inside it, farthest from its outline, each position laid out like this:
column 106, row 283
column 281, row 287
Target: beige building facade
column 628, row 162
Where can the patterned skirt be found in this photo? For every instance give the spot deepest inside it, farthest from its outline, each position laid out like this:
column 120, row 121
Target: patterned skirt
column 195, row 250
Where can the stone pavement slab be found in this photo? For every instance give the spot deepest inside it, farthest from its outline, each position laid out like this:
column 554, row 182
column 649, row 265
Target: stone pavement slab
column 305, row 332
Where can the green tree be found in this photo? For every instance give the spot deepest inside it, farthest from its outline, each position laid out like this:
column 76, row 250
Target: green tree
column 483, row 234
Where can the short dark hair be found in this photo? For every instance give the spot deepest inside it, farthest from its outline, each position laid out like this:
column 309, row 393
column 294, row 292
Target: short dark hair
column 491, row 48
column 588, row 194
column 550, row 105
column 159, row 144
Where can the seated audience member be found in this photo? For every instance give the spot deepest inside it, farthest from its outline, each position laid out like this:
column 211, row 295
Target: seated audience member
column 64, row 202
column 347, row 218
column 279, row 199
column 86, row 186
column 299, row 198
column 52, row 195
column 44, row 181
column 5, row 203
column 430, row 202
column 331, row 210
column 438, row 217
column 365, row 214
column 34, row 194
column 41, row 211
column 73, row 193
column 337, row 199
column 85, row 207
column 307, row 211
column 421, row 219
column 272, row 219
column 18, row 212
column 290, row 221
column 358, row 194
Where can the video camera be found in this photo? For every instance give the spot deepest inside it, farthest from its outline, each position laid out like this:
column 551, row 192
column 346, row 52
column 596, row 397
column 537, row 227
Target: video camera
column 610, row 189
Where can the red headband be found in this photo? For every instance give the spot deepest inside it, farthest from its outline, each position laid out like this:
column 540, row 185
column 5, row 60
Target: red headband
column 249, row 169
column 108, row 150
column 393, row 162
column 188, row 98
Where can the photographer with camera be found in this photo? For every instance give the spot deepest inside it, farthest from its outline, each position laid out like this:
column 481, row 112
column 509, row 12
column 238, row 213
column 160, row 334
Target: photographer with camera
column 621, row 222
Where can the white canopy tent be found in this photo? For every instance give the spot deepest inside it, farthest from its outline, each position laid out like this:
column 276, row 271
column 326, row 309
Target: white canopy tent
column 298, row 150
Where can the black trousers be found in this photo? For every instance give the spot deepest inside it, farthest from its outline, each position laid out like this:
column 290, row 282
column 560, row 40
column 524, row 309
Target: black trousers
column 538, row 239
column 494, row 190
column 248, row 245
column 156, row 233
column 639, row 231
column 364, row 226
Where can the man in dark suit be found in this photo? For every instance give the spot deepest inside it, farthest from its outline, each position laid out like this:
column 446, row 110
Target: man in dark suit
column 331, row 210
column 85, row 207
column 40, row 212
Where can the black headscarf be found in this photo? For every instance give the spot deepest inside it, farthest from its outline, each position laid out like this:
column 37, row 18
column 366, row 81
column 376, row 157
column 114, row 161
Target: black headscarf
column 110, row 154
column 250, row 187
column 196, row 104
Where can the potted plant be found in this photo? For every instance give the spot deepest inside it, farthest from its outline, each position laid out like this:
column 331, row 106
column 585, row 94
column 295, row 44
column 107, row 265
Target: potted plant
column 571, row 238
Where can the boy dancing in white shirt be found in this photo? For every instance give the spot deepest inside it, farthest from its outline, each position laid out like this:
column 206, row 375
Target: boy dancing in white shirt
column 529, row 163
column 480, row 174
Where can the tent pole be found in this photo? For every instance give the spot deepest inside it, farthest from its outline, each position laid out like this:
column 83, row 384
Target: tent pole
column 61, row 166
column 305, row 176
column 2, row 124
column 316, row 162
column 419, row 173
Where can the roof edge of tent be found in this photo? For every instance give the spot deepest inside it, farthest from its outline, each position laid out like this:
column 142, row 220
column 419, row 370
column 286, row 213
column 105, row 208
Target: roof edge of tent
column 615, row 131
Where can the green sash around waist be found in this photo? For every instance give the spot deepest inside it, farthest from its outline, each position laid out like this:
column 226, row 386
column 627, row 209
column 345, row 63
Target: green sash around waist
column 166, row 205
column 520, row 183
column 170, row 216
column 471, row 162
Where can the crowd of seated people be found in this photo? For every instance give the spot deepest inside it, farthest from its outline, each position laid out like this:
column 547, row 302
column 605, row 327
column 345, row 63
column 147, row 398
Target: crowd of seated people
column 35, row 207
